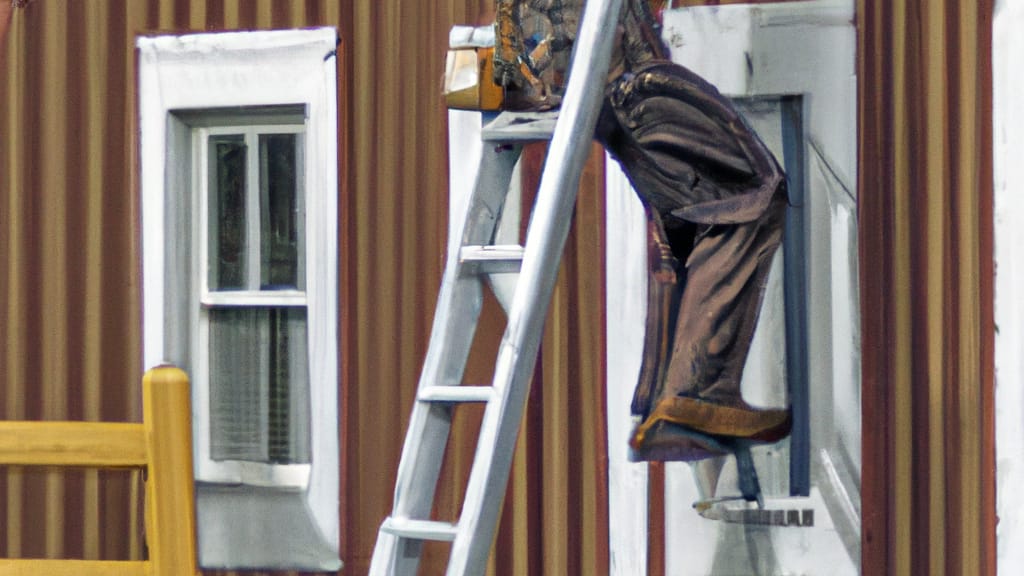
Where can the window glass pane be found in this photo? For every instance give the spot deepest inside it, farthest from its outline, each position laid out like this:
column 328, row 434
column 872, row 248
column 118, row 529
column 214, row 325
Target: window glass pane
column 227, row 267
column 280, row 213
column 259, row 385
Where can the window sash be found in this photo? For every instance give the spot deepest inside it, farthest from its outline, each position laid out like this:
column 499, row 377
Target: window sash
column 238, row 471
column 253, row 219
column 253, row 352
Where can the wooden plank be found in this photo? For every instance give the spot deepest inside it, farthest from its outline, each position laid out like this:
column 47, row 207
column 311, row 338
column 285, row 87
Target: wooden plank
column 33, row 567
column 94, row 444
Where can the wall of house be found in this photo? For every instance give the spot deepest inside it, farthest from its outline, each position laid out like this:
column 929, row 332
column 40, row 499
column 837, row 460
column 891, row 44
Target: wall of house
column 69, row 285
column 70, row 310
column 1008, row 148
column 5, row 20
column 926, row 272
column 69, row 288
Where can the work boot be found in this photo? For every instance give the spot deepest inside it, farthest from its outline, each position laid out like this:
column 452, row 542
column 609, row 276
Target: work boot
column 666, row 442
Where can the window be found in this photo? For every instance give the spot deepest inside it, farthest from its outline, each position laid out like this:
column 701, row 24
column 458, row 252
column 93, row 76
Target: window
column 252, row 341
column 239, row 179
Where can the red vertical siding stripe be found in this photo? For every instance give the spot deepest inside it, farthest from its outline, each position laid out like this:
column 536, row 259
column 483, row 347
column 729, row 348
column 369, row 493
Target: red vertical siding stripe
column 986, row 313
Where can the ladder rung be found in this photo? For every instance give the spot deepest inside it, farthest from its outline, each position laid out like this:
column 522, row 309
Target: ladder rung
column 420, row 529
column 520, row 127
column 456, row 394
column 496, row 259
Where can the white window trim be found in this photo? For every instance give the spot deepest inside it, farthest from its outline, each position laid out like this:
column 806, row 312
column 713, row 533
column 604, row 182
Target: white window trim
column 297, row 525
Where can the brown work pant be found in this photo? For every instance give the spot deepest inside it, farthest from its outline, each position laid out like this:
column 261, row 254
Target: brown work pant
column 705, row 320
column 683, row 146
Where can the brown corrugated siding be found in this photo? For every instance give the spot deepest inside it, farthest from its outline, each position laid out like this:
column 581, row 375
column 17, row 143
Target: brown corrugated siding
column 926, row 262
column 70, row 296
column 69, row 275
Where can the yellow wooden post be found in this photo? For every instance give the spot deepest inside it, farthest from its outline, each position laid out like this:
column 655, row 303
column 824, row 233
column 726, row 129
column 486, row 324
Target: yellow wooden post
column 170, row 524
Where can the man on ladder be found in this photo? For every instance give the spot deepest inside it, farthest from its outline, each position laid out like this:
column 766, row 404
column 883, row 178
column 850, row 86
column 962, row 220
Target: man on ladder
column 715, row 200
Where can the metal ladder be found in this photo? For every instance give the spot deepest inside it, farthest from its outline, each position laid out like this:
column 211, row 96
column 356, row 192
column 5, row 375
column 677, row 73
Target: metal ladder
column 401, row 535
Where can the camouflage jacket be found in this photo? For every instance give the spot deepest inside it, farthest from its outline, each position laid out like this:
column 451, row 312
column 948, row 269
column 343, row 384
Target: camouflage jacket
column 535, row 39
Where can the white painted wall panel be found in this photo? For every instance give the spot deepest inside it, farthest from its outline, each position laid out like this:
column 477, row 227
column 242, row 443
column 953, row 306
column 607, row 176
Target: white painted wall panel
column 626, row 291
column 1008, row 86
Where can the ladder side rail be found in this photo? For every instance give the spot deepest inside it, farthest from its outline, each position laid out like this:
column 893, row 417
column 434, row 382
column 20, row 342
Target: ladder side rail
column 452, row 336
column 449, row 341
column 549, row 228
column 490, row 190
column 452, row 332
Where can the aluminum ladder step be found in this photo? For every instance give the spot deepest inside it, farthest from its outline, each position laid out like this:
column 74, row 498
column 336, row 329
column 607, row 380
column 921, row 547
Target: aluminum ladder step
column 420, row 529
column 456, row 394
column 493, row 259
column 523, row 127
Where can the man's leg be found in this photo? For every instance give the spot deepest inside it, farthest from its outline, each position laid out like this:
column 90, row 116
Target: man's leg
column 725, row 279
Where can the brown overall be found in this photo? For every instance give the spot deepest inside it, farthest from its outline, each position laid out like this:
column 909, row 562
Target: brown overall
column 715, row 199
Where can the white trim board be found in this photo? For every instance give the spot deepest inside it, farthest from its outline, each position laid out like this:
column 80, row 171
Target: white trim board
column 243, row 527
column 1008, row 147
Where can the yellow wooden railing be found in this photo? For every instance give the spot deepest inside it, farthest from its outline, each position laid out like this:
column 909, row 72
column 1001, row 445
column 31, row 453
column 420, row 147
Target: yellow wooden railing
column 162, row 445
